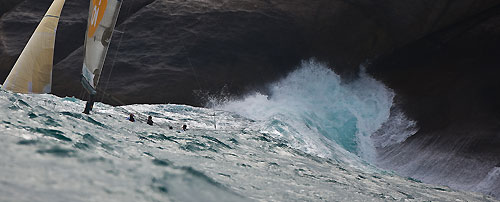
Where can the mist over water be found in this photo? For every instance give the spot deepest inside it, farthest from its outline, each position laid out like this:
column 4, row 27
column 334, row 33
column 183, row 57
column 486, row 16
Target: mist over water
column 316, row 112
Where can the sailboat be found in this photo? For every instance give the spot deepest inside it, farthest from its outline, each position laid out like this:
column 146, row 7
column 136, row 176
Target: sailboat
column 32, row 72
column 100, row 26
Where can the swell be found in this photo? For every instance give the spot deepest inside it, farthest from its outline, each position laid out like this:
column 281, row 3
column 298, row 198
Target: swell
column 134, row 161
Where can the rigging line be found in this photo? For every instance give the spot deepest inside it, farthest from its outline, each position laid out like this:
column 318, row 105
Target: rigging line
column 215, row 123
column 116, row 54
column 195, row 74
column 112, row 67
column 192, row 68
column 196, row 77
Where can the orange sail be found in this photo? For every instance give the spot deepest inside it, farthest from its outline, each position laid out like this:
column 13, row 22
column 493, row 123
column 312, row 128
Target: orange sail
column 101, row 23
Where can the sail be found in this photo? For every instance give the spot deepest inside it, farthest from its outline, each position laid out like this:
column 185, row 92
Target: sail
column 100, row 26
column 32, row 72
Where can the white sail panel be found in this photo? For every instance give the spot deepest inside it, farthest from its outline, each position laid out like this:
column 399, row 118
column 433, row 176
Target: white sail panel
column 32, row 72
column 101, row 22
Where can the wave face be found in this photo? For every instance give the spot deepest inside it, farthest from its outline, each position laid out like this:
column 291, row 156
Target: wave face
column 53, row 152
column 315, row 111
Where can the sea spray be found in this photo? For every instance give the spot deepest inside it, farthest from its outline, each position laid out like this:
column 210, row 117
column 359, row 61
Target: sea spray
column 311, row 108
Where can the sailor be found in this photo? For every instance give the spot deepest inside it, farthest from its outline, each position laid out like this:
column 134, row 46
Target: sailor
column 131, row 118
column 150, row 120
column 184, row 127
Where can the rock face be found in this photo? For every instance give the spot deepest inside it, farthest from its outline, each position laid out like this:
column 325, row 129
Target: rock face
column 172, row 49
column 440, row 56
column 182, row 47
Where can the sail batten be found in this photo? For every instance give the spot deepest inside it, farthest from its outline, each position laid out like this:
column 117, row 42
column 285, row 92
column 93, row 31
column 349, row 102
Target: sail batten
column 32, row 72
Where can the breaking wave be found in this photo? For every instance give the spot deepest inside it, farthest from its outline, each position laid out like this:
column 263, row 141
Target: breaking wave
column 315, row 111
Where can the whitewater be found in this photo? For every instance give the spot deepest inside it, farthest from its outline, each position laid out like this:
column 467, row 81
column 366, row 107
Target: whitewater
column 311, row 138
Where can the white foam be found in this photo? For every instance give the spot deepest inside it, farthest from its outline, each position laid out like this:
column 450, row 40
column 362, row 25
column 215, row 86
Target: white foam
column 314, row 110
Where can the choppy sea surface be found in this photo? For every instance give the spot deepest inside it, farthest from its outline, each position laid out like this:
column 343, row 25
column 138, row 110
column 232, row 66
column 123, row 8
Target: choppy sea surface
column 310, row 139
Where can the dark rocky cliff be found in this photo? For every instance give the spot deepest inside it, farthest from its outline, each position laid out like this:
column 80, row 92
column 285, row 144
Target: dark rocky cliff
column 440, row 56
column 184, row 46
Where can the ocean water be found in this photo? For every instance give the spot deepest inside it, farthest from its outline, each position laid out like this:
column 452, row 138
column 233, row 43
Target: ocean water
column 310, row 139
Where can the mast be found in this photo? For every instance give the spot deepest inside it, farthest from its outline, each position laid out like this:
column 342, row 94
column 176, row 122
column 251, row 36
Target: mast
column 100, row 26
column 32, row 72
